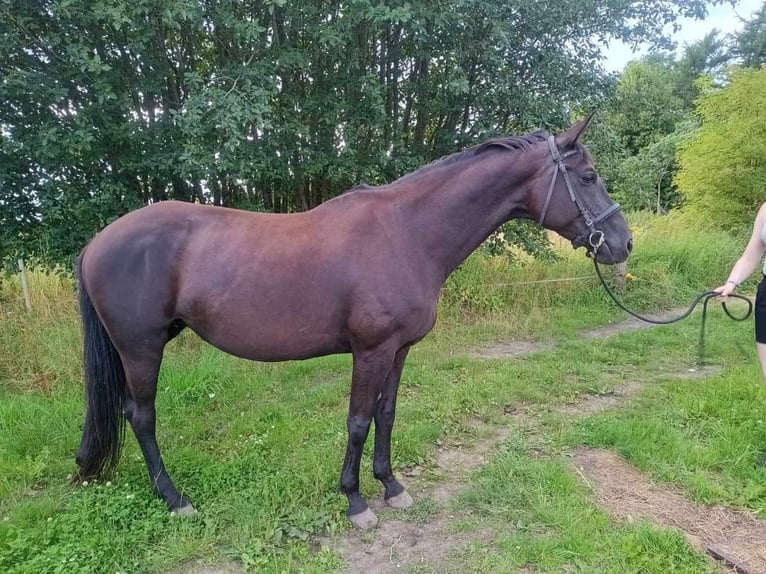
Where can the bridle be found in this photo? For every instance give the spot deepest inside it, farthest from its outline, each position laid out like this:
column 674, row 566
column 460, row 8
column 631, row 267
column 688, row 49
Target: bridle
column 593, row 237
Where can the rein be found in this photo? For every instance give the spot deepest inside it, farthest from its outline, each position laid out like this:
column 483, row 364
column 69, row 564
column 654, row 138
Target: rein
column 594, row 238
column 703, row 298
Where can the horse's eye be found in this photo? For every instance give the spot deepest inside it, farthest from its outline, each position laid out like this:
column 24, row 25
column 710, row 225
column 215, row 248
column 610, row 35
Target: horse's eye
column 589, row 178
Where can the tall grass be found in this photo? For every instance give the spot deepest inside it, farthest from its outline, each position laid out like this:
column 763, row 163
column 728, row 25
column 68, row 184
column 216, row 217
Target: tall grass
column 39, row 351
column 521, row 297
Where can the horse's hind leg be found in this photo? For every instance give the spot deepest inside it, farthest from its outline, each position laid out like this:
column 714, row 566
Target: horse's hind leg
column 141, row 371
column 396, row 496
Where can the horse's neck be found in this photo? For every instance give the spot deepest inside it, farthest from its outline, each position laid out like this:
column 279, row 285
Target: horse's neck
column 455, row 208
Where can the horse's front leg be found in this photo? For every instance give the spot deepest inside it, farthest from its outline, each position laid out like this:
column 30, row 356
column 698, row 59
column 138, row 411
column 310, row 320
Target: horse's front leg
column 396, row 496
column 371, row 368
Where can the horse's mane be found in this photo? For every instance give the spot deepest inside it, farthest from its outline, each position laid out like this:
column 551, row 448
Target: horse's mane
column 512, row 143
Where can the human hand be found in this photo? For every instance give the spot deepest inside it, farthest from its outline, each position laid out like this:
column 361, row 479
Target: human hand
column 725, row 290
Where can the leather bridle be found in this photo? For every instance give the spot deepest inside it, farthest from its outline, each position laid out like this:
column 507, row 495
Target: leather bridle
column 594, row 236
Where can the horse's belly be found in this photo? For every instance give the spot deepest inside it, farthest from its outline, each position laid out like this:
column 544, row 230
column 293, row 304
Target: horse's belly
column 273, row 350
column 267, row 338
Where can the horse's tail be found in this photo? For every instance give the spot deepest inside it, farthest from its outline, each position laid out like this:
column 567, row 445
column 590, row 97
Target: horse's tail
column 104, row 391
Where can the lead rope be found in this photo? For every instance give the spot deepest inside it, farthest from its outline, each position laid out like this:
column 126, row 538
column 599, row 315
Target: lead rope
column 702, row 297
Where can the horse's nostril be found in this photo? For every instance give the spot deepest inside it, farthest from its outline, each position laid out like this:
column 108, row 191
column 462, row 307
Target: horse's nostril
column 630, row 245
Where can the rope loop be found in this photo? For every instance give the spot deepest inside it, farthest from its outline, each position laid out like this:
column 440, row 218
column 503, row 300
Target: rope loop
column 704, row 297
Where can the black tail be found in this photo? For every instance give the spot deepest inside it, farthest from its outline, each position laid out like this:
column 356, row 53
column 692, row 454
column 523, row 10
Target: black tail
column 104, row 391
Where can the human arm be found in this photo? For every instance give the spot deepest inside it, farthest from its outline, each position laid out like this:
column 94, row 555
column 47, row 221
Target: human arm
column 750, row 258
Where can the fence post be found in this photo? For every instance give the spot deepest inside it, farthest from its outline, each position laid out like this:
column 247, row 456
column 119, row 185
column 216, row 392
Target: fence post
column 25, row 285
column 620, row 271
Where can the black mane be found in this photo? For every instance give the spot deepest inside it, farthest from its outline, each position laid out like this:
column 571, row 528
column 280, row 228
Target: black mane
column 512, row 143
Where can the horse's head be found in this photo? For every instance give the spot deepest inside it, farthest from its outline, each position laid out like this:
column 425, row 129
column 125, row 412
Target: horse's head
column 571, row 199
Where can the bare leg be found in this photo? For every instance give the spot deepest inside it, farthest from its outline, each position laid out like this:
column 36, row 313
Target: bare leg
column 370, row 371
column 385, row 412
column 141, row 377
column 761, row 347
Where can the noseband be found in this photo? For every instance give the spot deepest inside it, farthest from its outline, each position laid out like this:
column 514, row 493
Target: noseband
column 593, row 237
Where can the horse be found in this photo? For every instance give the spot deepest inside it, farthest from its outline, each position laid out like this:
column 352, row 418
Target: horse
column 360, row 274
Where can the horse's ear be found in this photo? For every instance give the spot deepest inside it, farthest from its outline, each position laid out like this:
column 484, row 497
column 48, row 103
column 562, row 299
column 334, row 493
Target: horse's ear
column 573, row 134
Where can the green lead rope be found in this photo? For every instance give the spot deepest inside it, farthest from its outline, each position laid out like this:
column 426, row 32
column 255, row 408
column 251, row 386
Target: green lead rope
column 702, row 297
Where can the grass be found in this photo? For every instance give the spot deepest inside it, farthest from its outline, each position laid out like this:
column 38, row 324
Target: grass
column 702, row 435
column 708, row 439
column 259, row 447
column 540, row 511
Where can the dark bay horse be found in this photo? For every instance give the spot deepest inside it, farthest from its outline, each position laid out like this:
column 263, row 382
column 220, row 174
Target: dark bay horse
column 359, row 274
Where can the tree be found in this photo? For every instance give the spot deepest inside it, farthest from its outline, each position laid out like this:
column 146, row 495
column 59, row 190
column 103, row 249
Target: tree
column 274, row 105
column 750, row 43
column 707, row 56
column 633, row 140
column 723, row 166
column 644, row 109
column 648, row 116
column 645, row 180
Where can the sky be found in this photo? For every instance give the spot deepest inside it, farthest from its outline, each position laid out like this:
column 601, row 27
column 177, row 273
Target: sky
column 723, row 17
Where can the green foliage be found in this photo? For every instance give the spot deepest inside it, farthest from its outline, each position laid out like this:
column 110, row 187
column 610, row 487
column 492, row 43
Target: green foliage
column 636, row 137
column 706, row 57
column 523, row 235
column 750, row 42
column 648, row 115
column 106, row 106
column 644, row 108
column 645, row 180
column 722, row 171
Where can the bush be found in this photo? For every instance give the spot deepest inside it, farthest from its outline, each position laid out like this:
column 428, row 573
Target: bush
column 723, row 166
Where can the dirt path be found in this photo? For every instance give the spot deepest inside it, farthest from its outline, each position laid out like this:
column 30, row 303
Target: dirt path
column 511, row 349
column 735, row 536
column 397, row 546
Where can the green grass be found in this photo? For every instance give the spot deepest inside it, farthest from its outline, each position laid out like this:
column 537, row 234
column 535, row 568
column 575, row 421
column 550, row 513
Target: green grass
column 543, row 517
column 703, row 435
column 706, row 436
column 258, row 447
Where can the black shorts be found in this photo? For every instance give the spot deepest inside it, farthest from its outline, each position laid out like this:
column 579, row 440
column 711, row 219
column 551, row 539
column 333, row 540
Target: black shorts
column 760, row 312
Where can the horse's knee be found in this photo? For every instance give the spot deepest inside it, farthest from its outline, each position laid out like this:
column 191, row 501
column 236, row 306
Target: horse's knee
column 385, row 413
column 358, row 427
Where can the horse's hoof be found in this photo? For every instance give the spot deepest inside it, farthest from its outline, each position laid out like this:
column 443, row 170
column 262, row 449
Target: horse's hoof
column 187, row 510
column 364, row 520
column 401, row 500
